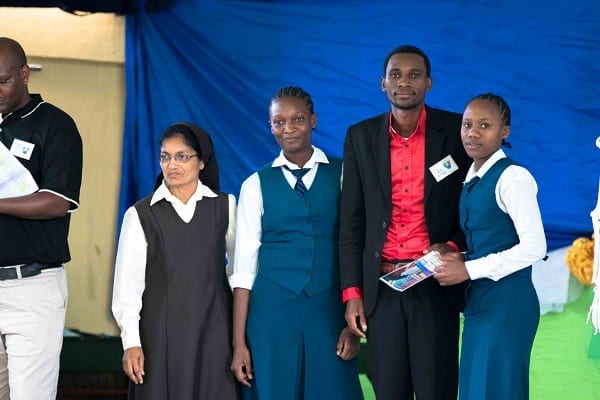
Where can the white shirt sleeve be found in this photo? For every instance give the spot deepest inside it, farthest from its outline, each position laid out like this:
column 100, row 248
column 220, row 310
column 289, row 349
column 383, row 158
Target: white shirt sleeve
column 516, row 193
column 230, row 235
column 248, row 233
column 129, row 283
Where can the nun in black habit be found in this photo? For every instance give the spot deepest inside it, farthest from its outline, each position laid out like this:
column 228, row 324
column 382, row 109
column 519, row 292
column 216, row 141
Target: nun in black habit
column 171, row 297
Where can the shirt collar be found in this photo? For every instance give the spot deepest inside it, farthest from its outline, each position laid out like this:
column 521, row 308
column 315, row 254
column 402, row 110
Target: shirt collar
column 419, row 128
column 163, row 193
column 318, row 156
column 27, row 109
column 498, row 155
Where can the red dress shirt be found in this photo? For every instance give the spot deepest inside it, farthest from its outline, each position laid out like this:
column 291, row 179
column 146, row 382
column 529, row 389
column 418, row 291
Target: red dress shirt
column 407, row 234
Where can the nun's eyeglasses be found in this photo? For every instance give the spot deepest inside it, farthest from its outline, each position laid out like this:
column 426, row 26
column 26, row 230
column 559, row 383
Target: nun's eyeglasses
column 178, row 158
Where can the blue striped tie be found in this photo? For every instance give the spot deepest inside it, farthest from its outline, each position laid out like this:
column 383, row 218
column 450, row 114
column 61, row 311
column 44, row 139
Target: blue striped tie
column 299, row 173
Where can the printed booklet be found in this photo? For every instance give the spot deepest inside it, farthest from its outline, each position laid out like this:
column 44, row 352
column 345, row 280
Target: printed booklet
column 410, row 274
column 15, row 179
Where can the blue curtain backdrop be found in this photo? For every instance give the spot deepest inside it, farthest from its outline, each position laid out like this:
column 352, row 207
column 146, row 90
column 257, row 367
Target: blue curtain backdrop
column 217, row 64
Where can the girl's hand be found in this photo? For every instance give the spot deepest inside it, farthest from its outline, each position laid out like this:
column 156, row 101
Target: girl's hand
column 452, row 271
column 241, row 365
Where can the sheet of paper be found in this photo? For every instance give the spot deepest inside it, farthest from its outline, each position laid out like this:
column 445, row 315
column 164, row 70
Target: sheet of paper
column 15, row 179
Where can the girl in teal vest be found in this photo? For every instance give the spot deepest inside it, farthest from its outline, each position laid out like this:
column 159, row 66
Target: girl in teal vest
column 290, row 340
column 503, row 226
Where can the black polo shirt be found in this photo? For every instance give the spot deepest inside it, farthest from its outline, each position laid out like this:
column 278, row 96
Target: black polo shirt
column 55, row 164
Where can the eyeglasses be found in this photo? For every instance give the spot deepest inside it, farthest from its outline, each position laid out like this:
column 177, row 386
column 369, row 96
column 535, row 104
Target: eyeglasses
column 178, row 158
column 278, row 124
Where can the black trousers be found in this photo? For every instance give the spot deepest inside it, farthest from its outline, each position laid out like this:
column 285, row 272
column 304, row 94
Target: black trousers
column 412, row 344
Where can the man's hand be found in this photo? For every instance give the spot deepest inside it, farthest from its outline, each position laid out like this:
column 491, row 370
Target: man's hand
column 348, row 345
column 355, row 317
column 441, row 248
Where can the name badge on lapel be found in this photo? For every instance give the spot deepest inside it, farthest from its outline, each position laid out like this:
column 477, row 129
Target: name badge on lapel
column 21, row 149
column 443, row 168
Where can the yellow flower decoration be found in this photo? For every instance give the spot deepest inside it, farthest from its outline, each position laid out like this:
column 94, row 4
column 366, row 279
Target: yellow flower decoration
column 580, row 259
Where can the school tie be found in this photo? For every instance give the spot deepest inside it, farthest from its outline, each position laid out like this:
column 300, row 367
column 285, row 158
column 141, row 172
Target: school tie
column 299, row 173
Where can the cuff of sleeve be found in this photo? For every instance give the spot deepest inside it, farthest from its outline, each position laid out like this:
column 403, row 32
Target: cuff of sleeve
column 130, row 340
column 351, row 293
column 475, row 269
column 453, row 245
column 244, row 281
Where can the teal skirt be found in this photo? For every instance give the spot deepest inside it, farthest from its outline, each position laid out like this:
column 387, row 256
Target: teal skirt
column 501, row 319
column 292, row 340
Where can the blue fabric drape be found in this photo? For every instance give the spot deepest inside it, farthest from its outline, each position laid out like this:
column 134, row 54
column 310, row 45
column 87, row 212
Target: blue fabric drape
column 217, row 64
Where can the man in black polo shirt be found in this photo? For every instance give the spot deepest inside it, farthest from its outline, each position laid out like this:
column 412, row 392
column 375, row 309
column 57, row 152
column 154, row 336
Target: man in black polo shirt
column 33, row 232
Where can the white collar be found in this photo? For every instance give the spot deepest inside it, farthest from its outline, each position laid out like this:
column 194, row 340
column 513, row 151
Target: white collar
column 163, row 193
column 498, row 155
column 318, row 156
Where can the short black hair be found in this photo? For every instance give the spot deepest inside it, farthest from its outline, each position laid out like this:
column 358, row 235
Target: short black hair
column 410, row 49
column 15, row 49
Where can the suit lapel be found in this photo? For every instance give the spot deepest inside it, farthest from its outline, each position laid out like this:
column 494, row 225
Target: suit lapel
column 380, row 146
column 434, row 145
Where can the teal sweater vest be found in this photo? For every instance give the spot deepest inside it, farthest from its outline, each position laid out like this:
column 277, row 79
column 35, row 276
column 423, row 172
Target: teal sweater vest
column 487, row 228
column 299, row 244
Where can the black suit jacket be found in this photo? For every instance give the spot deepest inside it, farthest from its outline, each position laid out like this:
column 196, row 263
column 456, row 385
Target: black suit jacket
column 366, row 196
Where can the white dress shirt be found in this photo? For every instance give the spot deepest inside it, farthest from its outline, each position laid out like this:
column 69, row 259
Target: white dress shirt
column 516, row 193
column 130, row 265
column 249, row 217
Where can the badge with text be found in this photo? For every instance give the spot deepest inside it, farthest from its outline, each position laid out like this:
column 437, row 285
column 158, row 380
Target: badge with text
column 443, row 168
column 21, row 149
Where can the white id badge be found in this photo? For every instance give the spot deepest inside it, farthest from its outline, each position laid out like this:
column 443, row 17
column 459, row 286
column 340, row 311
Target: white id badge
column 21, row 149
column 443, row 168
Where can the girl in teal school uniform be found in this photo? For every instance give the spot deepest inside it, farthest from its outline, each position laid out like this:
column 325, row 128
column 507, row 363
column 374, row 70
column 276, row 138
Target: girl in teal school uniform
column 503, row 226
column 290, row 338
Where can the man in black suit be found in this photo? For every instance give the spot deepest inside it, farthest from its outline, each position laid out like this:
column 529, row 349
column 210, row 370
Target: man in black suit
column 402, row 178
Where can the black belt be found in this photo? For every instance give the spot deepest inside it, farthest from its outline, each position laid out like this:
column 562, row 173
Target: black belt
column 27, row 270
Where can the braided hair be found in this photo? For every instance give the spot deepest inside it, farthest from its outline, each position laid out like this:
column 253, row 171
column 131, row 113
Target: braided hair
column 502, row 107
column 295, row 91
